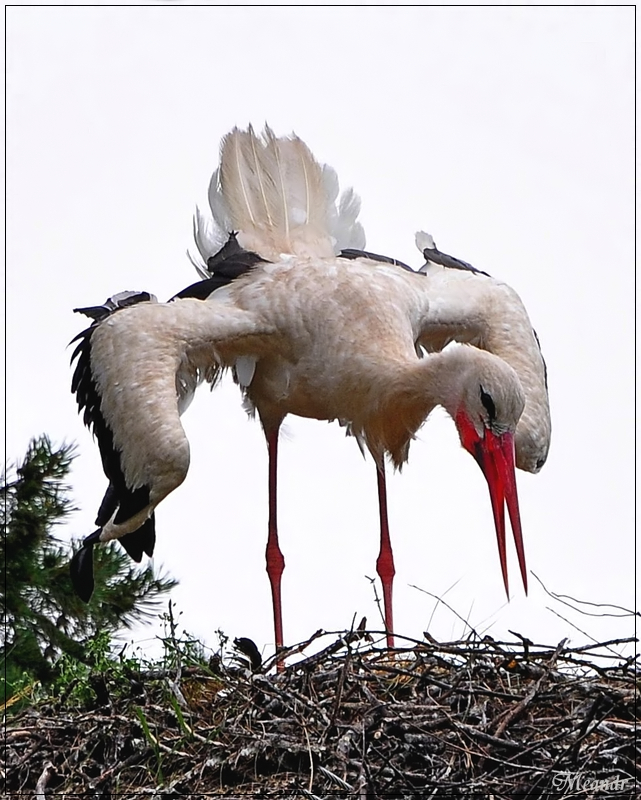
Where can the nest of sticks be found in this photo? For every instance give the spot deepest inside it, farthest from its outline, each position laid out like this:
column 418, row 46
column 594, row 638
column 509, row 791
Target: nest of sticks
column 473, row 718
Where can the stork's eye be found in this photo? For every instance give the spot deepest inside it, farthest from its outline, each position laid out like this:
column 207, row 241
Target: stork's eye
column 487, row 401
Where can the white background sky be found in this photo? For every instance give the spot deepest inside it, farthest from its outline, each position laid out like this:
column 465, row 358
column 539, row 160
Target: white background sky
column 505, row 132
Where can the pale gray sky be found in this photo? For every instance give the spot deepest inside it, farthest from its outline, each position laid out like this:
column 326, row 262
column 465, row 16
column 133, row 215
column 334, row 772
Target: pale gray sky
column 505, row 132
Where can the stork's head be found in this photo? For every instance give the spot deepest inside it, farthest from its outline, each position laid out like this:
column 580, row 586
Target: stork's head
column 487, row 410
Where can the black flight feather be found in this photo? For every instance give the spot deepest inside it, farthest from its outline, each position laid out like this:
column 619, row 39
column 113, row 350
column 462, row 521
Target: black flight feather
column 351, row 252
column 434, row 254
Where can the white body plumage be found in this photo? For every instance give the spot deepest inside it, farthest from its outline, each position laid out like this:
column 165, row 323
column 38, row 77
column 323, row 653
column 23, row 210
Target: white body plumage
column 318, row 334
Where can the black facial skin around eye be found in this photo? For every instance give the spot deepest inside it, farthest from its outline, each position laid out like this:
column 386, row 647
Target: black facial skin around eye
column 487, row 401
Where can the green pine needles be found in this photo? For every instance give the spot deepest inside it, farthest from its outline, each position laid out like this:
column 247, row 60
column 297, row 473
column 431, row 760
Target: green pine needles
column 42, row 617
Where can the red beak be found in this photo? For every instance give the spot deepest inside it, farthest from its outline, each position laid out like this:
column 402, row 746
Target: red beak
column 494, row 453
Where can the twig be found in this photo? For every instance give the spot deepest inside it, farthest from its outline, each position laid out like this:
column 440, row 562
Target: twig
column 47, row 773
column 576, row 627
column 519, row 708
column 449, row 607
column 562, row 598
column 311, row 757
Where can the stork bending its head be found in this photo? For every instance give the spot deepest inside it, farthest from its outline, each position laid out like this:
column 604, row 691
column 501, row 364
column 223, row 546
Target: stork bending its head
column 316, row 326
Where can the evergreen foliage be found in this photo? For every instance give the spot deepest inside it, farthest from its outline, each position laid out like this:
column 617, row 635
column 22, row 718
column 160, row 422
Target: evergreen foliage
column 41, row 615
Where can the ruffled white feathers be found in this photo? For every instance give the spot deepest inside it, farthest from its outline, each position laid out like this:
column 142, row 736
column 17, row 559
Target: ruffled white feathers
column 280, row 200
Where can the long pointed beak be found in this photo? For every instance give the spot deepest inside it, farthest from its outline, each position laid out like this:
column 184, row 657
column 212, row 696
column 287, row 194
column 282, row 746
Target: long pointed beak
column 494, row 453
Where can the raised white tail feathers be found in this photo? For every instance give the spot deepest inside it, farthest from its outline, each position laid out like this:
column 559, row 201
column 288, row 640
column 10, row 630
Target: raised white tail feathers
column 279, row 198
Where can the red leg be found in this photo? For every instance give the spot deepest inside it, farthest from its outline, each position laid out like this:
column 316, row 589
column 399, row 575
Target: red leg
column 385, row 561
column 273, row 555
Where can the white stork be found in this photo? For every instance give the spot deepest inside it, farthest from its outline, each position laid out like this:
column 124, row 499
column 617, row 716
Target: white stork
column 312, row 325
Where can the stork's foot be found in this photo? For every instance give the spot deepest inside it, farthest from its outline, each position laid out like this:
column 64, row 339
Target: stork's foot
column 81, row 568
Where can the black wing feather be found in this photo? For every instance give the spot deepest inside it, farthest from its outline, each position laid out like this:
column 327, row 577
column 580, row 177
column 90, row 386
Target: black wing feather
column 435, row 255
column 352, row 253
column 232, row 261
column 141, row 540
column 229, row 263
